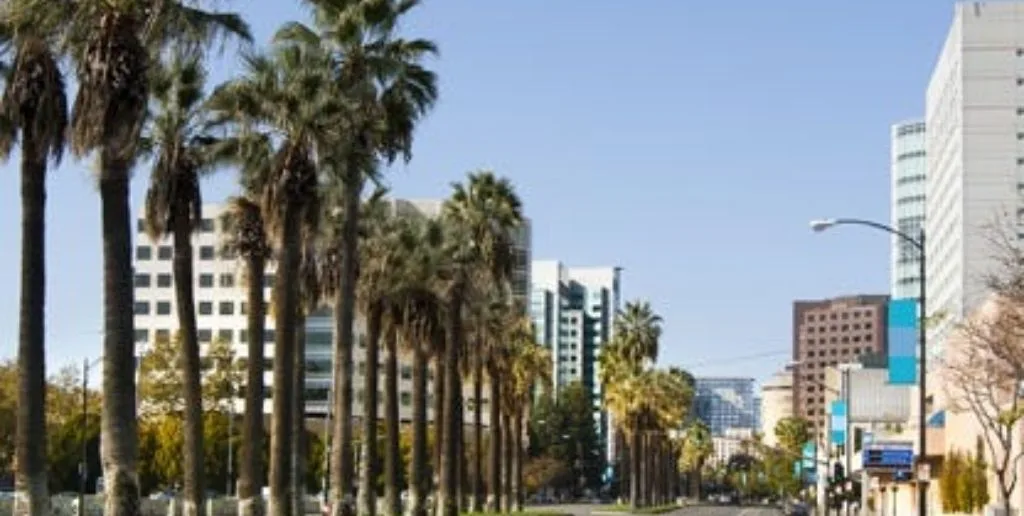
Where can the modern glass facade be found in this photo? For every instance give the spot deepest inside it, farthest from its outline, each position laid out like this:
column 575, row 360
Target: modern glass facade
column 908, row 166
column 726, row 403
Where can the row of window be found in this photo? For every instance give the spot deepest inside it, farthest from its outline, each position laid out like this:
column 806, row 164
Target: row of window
column 205, row 226
column 846, row 339
column 835, row 327
column 832, row 316
column 166, row 252
column 204, row 280
column 203, row 308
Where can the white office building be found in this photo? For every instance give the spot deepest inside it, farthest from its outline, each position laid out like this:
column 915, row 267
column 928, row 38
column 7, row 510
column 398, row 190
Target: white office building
column 975, row 153
column 573, row 309
column 220, row 297
column 908, row 166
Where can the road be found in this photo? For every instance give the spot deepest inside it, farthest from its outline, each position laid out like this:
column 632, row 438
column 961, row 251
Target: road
column 702, row 510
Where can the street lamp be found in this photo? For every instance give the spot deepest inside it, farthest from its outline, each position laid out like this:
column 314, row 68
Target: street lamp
column 922, row 416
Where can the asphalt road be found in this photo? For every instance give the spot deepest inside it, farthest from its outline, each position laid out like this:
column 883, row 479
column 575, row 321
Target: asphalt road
column 701, row 510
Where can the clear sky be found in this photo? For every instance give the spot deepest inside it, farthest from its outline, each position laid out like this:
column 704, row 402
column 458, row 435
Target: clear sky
column 689, row 142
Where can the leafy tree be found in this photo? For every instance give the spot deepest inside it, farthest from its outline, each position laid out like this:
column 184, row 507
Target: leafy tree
column 792, row 433
column 160, row 379
column 544, row 471
column 564, row 429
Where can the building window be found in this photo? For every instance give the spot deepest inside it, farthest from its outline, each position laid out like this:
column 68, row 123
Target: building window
column 225, row 335
column 164, row 280
column 162, row 335
column 269, row 335
column 164, row 252
column 141, row 335
column 406, row 398
column 227, row 280
column 163, row 308
column 406, row 372
column 227, row 308
column 143, row 252
column 205, row 308
column 243, row 308
column 141, row 308
column 243, row 336
column 206, row 225
column 142, row 280
column 268, row 280
column 205, row 335
column 206, row 280
column 206, row 252
column 140, row 225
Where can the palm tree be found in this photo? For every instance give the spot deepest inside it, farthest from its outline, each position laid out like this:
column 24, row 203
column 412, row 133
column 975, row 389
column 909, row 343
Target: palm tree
column 482, row 214
column 34, row 108
column 181, row 153
column 696, row 448
column 310, row 296
column 485, row 315
column 286, row 115
column 246, row 237
column 383, row 76
column 112, row 44
column 418, row 313
column 529, row 365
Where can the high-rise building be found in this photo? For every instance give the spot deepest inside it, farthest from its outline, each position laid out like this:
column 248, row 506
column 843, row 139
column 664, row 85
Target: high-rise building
column 573, row 309
column 974, row 110
column 726, row 404
column 776, row 405
column 907, row 166
column 829, row 332
column 221, row 312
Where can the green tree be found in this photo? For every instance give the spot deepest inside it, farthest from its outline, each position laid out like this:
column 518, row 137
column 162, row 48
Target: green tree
column 563, row 428
column 793, row 433
column 697, row 447
column 160, row 381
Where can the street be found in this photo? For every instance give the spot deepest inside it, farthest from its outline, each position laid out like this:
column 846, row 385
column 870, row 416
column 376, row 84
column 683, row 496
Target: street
column 700, row 510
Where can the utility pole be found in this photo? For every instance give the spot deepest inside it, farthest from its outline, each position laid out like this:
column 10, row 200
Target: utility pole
column 83, row 467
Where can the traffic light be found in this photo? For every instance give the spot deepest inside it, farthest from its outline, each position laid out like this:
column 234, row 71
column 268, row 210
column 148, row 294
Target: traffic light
column 838, row 472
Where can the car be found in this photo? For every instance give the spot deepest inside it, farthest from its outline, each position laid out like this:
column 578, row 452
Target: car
column 798, row 509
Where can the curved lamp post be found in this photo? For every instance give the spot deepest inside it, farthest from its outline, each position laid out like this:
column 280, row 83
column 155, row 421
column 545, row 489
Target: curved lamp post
column 922, row 417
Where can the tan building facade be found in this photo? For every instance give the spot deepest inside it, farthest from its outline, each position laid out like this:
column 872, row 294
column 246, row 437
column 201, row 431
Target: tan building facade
column 827, row 333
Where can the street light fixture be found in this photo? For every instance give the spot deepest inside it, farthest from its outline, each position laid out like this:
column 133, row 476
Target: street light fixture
column 919, row 244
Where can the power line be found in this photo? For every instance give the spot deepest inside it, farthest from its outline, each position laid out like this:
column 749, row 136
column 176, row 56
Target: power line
column 741, row 358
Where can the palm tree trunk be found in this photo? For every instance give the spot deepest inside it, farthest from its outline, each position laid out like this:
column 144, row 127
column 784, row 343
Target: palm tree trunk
column 120, row 430
column 635, row 460
column 418, row 487
column 299, row 417
column 286, row 307
column 494, row 445
column 439, row 421
column 250, row 480
column 195, row 487
column 392, row 451
column 477, row 480
column 344, row 319
column 517, row 461
column 447, row 504
column 507, row 445
column 460, row 445
column 367, row 499
column 31, row 433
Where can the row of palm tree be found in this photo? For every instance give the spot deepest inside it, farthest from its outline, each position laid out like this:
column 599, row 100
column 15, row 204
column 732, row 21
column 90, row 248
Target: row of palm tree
column 648, row 405
column 309, row 125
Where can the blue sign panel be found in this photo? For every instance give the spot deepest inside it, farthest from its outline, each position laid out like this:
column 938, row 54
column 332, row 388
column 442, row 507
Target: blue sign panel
column 904, row 325
column 889, row 456
column 838, row 422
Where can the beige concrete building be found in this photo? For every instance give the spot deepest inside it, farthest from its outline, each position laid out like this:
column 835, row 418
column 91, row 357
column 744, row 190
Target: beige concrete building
column 776, row 404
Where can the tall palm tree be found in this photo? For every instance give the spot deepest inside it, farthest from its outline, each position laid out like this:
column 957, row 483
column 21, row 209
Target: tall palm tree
column 482, row 213
column 418, row 313
column 310, row 296
column 529, row 365
column 383, row 75
column 34, row 109
column 486, row 315
column 181, row 152
column 246, row 237
column 112, row 43
column 286, row 117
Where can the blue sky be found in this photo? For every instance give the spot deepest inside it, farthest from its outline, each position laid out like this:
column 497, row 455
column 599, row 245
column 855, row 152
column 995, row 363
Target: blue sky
column 688, row 142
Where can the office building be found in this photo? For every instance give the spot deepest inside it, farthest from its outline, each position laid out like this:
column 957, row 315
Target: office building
column 221, row 313
column 776, row 404
column 829, row 332
column 725, row 403
column 732, row 442
column 907, row 188
column 573, row 309
column 974, row 110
